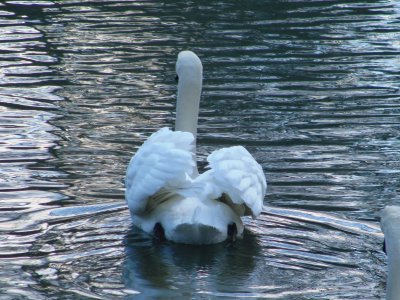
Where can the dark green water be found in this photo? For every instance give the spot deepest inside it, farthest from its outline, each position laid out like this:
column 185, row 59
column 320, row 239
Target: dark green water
column 310, row 88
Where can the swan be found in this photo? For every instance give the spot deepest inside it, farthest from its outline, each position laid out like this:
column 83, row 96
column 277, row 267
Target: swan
column 166, row 195
column 390, row 224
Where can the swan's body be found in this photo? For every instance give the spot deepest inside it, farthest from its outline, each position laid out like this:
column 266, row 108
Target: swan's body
column 390, row 223
column 166, row 195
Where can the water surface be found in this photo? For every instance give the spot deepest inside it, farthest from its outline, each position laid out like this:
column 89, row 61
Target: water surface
column 309, row 88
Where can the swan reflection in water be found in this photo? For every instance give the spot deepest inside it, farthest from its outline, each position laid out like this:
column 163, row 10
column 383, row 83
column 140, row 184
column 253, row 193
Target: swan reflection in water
column 168, row 270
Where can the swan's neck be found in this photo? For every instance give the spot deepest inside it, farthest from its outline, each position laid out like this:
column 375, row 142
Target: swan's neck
column 188, row 100
column 390, row 223
column 393, row 280
column 190, row 72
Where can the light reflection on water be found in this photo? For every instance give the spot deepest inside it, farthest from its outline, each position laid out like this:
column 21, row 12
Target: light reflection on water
column 310, row 88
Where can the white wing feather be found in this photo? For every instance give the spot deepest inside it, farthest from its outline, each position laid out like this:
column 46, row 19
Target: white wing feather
column 164, row 161
column 239, row 176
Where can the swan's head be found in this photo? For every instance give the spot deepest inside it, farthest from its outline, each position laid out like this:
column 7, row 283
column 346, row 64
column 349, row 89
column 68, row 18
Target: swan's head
column 390, row 224
column 390, row 218
column 188, row 66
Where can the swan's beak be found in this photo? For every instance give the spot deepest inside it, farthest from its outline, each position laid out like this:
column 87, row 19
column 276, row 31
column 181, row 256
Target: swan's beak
column 384, row 246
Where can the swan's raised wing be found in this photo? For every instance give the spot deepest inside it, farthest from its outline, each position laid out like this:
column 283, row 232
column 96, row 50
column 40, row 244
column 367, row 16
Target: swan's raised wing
column 164, row 162
column 240, row 177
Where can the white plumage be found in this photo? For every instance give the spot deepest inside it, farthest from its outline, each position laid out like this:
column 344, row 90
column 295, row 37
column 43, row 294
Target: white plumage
column 163, row 161
column 166, row 195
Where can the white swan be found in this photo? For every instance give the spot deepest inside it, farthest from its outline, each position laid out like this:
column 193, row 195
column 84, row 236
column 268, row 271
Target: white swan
column 166, row 195
column 390, row 223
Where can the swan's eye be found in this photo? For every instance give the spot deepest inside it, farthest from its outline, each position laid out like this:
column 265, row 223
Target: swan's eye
column 176, row 78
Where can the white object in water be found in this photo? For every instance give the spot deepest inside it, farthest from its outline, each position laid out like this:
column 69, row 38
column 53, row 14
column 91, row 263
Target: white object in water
column 165, row 193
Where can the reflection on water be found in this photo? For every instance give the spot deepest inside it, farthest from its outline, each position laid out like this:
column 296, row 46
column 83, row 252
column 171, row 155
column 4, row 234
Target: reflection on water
column 310, row 88
column 171, row 270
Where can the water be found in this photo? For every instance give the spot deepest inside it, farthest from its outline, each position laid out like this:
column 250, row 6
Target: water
column 309, row 87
